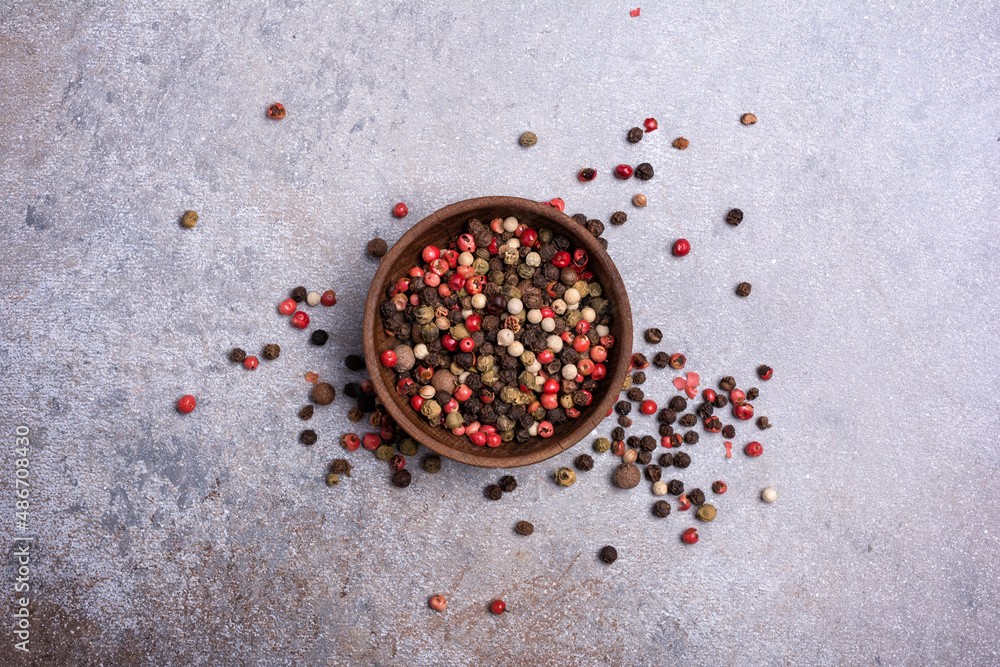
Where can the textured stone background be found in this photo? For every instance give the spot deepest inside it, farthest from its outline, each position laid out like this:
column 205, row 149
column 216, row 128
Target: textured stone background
column 870, row 188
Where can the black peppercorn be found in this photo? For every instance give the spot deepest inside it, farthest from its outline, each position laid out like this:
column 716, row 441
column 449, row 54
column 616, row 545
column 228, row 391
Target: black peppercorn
column 727, row 383
column 661, row 359
column 691, row 437
column 308, row 437
column 271, row 352
column 237, row 355
column 584, row 462
column 638, row 377
column 306, row 412
column 524, row 528
column 595, row 227
column 653, row 336
column 682, row 460
column 299, row 294
column 635, row 394
column 763, row 423
column 743, row 289
column 728, row 431
column 688, row 420
column 734, row 217
column 377, row 248
column 341, row 467
column 618, row 433
column 635, row 135
column 580, row 218
column 609, row 554
column 644, row 171
column 354, row 362
column 643, row 457
column 721, row 401
column 696, row 496
column 666, row 430
column 401, row 478
column 666, row 416
column 623, row 407
column 648, row 443
column 661, row 509
column 666, row 460
column 675, row 487
column 653, row 473
column 618, row 218
column 352, row 390
column 705, row 410
column 507, row 483
column 753, row 393
column 494, row 492
column 319, row 337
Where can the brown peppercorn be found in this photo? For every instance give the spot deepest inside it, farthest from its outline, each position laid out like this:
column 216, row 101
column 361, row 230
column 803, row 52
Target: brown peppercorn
column 636, row 394
column 625, row 422
column 299, row 294
column 661, row 509
column 635, row 135
column 727, row 383
column 271, row 351
column 595, row 227
column 618, row 218
column 308, row 437
column 691, row 437
column 706, row 513
column 666, row 460
column 763, row 423
column 666, row 430
column 189, row 219
column 678, row 404
column 675, row 487
column 618, row 433
column 638, row 377
column 644, row 171
column 743, row 289
column 609, row 554
column 493, row 492
column 696, row 496
column 528, row 139
column 323, row 393
column 237, row 355
column 681, row 143
column 401, row 478
column 306, row 412
column 720, row 401
column 734, row 217
column 507, row 483
column 355, row 415
column 584, row 462
column 524, row 528
column 653, row 473
column 639, row 201
column 728, row 431
column 653, row 336
column 626, row 476
column 341, row 467
column 377, row 248
column 682, row 460
column 688, row 420
column 753, row 393
column 748, row 119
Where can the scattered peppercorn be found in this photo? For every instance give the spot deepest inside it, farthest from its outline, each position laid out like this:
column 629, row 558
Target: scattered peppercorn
column 681, row 143
column 498, row 607
column 753, row 393
column 623, row 407
column 691, row 437
column 319, row 337
column 729, row 431
column 401, row 478
column 675, row 487
column 299, row 294
column 507, row 483
column 661, row 359
column 384, row 452
column 609, row 554
column 765, row 372
column 653, row 473
column 666, row 460
column 308, row 437
column 734, row 217
column 276, row 111
column 584, row 462
column 432, row 464
column 678, row 404
column 624, row 421
column 595, row 226
column 682, row 460
column 639, row 378
column 355, row 415
column 748, row 119
column 524, row 528
column 661, row 509
column 677, row 361
column 189, row 219
column 377, row 247
column 639, row 201
column 438, row 603
column 644, row 171
column 630, row 456
column 354, row 362
column 332, row 479
column 493, row 492
column 768, row 495
column 323, row 393
column 706, row 513
column 719, row 487
column 618, row 218
column 602, row 445
column 720, row 401
column 635, row 135
column 306, row 412
column 237, row 355
column 587, row 175
column 635, row 394
column 653, row 336
column 696, row 496
column 687, row 420
column 626, row 476
column 528, row 139
column 341, row 467
column 565, row 476
column 727, row 383
column 743, row 289
column 271, row 351
column 763, row 423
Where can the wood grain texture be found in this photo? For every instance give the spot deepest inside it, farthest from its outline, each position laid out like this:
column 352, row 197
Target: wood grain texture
column 437, row 229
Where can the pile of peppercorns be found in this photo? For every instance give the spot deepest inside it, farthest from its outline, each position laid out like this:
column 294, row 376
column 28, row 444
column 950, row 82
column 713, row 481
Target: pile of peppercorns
column 501, row 336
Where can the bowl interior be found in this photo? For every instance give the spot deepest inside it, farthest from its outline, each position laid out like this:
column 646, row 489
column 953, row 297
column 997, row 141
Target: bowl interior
column 438, row 229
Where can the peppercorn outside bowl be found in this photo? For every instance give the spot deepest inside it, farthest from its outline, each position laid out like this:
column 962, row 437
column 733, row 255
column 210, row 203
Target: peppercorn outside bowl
column 438, row 229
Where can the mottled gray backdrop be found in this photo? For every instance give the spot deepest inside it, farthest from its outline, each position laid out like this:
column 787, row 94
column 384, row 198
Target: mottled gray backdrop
column 870, row 192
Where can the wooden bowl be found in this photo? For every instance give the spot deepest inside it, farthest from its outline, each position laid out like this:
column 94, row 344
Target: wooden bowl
column 437, row 229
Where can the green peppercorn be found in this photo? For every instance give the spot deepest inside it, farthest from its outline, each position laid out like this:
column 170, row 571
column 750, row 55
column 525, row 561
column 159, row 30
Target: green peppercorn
column 407, row 447
column 332, row 479
column 189, row 219
column 432, row 464
column 565, row 476
column 384, row 452
column 528, row 139
column 602, row 445
column 706, row 513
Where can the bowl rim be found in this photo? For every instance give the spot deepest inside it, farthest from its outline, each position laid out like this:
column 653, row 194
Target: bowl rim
column 405, row 418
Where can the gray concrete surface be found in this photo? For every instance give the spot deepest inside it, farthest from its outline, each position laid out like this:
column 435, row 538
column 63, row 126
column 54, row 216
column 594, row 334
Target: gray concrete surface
column 870, row 192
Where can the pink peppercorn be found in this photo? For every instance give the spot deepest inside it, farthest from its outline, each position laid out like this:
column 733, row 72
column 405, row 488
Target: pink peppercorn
column 388, row 358
column 350, row 441
column 743, row 411
column 287, row 307
column 650, row 124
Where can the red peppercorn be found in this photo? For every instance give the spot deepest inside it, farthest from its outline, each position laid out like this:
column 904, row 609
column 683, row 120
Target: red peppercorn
column 708, row 395
column 754, row 449
column 300, row 320
column 720, row 487
column 449, row 342
column 737, row 396
column 639, row 361
column 743, row 411
column 251, row 363
column 478, row 438
column 473, row 323
column 329, row 298
column 623, row 171
column 367, row 386
column 681, row 247
column 430, row 253
column 388, row 358
column 650, row 124
column 287, row 307
column 438, row 603
column 648, row 407
column 690, row 536
column 467, row 345
column 371, row 441
column 545, row 429
column 400, row 210
column 186, row 403
column 493, row 440
column 498, row 607
column 677, row 360
column 276, row 111
column 599, row 373
column 529, row 238
column 397, row 462
column 350, row 441
column 765, row 372
column 561, row 260
column 581, row 343
column 557, row 203
column 683, row 504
